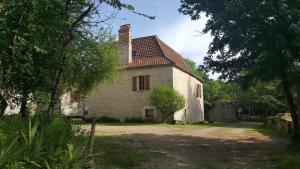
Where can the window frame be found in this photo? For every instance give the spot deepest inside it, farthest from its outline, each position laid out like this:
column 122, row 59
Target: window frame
column 141, row 82
column 147, row 115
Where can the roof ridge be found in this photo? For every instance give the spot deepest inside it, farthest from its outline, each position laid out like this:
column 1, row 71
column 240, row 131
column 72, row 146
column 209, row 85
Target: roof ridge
column 184, row 62
column 163, row 51
column 145, row 37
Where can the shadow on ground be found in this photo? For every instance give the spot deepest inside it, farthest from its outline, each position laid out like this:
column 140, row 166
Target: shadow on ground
column 151, row 151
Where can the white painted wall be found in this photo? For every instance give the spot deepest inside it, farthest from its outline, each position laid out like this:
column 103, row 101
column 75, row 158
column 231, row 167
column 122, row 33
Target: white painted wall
column 68, row 107
column 187, row 86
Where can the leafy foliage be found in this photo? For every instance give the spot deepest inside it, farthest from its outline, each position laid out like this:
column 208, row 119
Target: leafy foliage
column 242, row 32
column 40, row 143
column 166, row 100
column 214, row 90
column 263, row 98
column 54, row 46
column 254, row 40
column 97, row 62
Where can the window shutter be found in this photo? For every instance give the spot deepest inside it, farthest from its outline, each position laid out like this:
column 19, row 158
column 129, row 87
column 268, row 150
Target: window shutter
column 200, row 90
column 134, row 82
column 147, row 82
column 74, row 97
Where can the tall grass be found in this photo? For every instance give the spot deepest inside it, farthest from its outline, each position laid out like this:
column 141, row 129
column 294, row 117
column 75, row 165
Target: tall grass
column 41, row 143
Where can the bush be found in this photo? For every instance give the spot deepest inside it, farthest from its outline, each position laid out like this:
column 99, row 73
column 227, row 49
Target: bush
column 134, row 120
column 166, row 100
column 106, row 119
column 41, row 143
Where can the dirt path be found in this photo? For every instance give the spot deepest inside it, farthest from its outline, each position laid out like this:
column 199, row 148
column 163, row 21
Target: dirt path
column 235, row 147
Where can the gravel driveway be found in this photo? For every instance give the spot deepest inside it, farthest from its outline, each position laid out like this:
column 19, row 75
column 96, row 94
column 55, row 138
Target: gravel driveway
column 238, row 146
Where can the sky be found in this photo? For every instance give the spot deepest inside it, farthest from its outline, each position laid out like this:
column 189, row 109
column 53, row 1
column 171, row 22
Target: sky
column 177, row 30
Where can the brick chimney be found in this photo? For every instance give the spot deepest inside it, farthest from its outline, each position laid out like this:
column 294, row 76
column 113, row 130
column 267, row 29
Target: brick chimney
column 124, row 45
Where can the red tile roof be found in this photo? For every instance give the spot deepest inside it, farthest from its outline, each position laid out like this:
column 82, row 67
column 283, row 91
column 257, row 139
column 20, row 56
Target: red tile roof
column 154, row 52
column 175, row 57
column 150, row 52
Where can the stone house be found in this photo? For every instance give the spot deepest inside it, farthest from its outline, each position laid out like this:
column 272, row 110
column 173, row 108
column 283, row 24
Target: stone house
column 143, row 64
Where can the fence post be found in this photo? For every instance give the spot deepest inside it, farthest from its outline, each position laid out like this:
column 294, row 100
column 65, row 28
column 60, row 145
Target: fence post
column 91, row 163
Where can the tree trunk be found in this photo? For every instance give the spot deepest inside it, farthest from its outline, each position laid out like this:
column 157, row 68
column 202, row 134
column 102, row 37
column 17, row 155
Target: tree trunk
column 65, row 40
column 23, row 109
column 298, row 98
column 292, row 109
column 53, row 99
column 163, row 120
column 57, row 77
column 3, row 105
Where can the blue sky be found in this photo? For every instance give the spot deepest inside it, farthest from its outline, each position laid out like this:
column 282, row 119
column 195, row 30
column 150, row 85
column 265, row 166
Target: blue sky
column 177, row 30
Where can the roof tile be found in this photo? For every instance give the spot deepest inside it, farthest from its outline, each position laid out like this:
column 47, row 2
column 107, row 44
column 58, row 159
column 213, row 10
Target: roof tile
column 153, row 51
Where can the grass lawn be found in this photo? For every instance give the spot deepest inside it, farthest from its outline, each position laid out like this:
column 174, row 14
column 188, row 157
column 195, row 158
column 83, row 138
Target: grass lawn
column 290, row 159
column 112, row 152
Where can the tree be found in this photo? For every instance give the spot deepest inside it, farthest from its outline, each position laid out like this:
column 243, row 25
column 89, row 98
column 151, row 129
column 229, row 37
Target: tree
column 262, row 98
column 3, row 105
column 214, row 90
column 253, row 40
column 27, row 43
column 81, row 19
column 85, row 71
column 166, row 100
column 53, row 46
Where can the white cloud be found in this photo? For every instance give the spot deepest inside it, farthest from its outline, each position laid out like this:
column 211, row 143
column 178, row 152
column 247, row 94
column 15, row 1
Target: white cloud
column 185, row 37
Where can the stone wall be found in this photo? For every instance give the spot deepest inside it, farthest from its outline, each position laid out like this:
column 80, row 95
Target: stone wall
column 187, row 86
column 279, row 122
column 116, row 98
column 223, row 111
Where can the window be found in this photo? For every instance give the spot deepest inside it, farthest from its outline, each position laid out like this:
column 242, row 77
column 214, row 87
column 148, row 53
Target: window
column 199, row 91
column 149, row 113
column 143, row 83
column 135, row 53
column 74, row 97
column 134, row 83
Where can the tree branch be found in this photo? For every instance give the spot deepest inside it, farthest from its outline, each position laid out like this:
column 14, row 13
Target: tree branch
column 81, row 17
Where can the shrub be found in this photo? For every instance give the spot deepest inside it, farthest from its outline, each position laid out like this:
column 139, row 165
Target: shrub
column 41, row 143
column 166, row 100
column 106, row 119
column 134, row 120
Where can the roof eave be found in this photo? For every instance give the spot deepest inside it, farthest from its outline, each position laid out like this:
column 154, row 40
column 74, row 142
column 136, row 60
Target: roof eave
column 189, row 73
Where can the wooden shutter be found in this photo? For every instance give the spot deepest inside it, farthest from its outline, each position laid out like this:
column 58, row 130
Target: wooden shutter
column 134, row 82
column 147, row 82
column 200, row 90
column 74, row 97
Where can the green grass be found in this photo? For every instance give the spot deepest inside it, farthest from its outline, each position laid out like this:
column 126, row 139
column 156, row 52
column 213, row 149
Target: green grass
column 112, row 152
column 290, row 159
column 225, row 125
column 206, row 125
column 272, row 133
